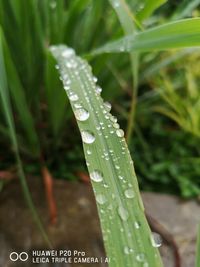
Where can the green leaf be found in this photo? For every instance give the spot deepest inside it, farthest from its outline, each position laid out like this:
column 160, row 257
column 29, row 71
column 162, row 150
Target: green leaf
column 5, row 98
column 149, row 6
column 127, row 236
column 19, row 100
column 126, row 19
column 185, row 8
column 55, row 96
column 179, row 34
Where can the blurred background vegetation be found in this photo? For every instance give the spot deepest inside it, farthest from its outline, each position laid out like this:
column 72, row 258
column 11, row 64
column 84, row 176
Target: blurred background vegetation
column 166, row 126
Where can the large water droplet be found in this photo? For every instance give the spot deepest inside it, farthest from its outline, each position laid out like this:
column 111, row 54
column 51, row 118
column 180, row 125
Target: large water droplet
column 116, row 125
column 129, row 193
column 87, row 137
column 120, row 133
column 95, row 79
column 156, row 240
column 113, row 118
column 98, row 90
column 108, row 106
column 101, row 199
column 81, row 114
column 123, row 213
column 73, row 97
column 68, row 52
column 96, row 176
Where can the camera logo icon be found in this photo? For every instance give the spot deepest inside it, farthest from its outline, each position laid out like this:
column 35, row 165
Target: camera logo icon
column 22, row 256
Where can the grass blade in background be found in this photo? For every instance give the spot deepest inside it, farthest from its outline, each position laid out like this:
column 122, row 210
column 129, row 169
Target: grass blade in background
column 185, row 9
column 148, row 8
column 5, row 100
column 127, row 236
column 126, row 19
column 55, row 96
column 179, row 34
column 19, row 99
column 198, row 249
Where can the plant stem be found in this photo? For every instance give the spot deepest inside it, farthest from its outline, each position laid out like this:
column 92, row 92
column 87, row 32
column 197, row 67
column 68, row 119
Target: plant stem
column 131, row 118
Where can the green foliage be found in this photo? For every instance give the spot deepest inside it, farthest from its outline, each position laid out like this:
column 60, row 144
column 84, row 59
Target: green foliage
column 183, row 99
column 178, row 34
column 162, row 163
column 4, row 94
column 37, row 117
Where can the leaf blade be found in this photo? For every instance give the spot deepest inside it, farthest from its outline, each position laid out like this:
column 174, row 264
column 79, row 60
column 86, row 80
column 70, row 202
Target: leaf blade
column 103, row 145
column 179, row 34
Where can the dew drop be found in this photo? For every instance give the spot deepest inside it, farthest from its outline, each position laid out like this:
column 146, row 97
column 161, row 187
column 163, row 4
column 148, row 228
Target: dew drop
column 81, row 114
column 73, row 97
column 76, row 105
column 156, row 240
column 101, row 199
column 95, row 79
column 66, row 87
column 87, row 137
column 140, row 257
column 137, row 225
column 96, row 176
column 105, row 185
column 120, row 133
column 116, row 125
column 68, row 52
column 108, row 106
column 129, row 193
column 126, row 250
column 123, row 213
column 98, row 90
column 89, row 152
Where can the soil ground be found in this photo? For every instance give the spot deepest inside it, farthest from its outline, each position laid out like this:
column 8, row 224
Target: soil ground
column 78, row 228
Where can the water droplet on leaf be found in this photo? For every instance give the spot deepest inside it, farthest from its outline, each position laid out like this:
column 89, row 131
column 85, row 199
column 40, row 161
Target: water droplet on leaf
column 123, row 213
column 81, row 114
column 129, row 193
column 101, row 199
column 156, row 240
column 96, row 176
column 88, row 137
column 73, row 97
column 120, row 133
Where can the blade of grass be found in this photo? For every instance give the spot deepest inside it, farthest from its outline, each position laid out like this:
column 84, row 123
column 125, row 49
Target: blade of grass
column 179, row 34
column 19, row 100
column 149, row 8
column 55, row 96
column 4, row 94
column 127, row 236
column 153, row 69
column 185, row 9
column 126, row 19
